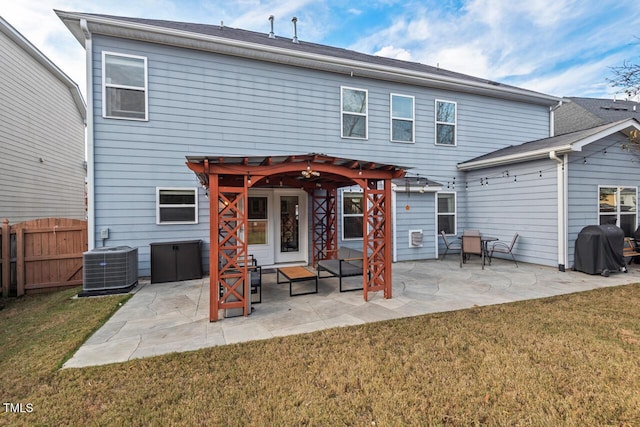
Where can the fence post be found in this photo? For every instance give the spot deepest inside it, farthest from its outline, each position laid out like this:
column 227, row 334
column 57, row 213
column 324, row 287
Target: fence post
column 20, row 264
column 6, row 257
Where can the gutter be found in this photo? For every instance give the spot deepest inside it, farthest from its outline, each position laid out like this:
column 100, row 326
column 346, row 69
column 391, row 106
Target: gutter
column 513, row 158
column 150, row 33
column 562, row 194
column 91, row 213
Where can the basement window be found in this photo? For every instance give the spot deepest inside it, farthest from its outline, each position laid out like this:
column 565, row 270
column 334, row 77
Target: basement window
column 176, row 205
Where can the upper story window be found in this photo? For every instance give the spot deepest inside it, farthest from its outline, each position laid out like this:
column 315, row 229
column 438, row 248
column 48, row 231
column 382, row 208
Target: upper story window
column 402, row 118
column 177, row 205
column 124, row 86
column 445, row 122
column 354, row 110
column 618, row 205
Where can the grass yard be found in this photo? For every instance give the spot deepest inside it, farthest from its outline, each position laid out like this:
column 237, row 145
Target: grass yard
column 570, row 360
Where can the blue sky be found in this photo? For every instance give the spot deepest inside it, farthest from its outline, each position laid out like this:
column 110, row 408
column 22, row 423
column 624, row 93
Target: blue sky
column 558, row 47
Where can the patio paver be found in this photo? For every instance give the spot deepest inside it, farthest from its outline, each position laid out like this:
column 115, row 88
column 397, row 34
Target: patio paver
column 172, row 317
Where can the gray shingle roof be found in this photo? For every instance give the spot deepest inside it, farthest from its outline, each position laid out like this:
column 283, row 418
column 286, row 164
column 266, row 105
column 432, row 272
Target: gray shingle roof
column 302, row 46
column 584, row 113
column 544, row 146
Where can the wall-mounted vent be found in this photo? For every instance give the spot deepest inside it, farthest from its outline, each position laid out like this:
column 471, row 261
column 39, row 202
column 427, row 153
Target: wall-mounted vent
column 109, row 270
column 416, row 238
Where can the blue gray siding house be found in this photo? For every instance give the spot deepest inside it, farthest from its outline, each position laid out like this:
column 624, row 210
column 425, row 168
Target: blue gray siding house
column 160, row 91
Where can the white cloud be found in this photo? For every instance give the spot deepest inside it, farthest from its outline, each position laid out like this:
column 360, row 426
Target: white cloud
column 395, row 53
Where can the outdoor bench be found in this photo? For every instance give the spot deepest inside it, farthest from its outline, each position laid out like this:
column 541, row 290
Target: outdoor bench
column 349, row 263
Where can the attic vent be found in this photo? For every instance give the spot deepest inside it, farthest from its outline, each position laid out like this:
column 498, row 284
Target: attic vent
column 416, row 238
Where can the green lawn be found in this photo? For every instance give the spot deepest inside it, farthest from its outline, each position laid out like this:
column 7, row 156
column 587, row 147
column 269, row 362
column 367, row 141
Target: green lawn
column 570, row 360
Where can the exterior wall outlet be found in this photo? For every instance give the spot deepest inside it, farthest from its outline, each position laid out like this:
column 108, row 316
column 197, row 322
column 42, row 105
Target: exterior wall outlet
column 104, row 233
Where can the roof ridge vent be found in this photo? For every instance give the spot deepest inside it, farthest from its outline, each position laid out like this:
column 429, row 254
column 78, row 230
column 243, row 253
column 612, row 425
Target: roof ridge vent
column 272, row 35
column 294, row 20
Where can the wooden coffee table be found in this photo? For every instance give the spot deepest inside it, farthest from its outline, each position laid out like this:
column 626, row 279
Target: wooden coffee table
column 297, row 274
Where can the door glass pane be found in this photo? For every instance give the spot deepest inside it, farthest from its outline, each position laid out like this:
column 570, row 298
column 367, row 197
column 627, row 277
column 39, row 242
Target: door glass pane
column 289, row 224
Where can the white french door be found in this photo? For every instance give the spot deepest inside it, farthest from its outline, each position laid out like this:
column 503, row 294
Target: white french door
column 278, row 226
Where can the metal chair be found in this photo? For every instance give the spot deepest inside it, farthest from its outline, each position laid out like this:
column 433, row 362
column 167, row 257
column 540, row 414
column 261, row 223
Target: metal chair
column 502, row 247
column 471, row 245
column 449, row 245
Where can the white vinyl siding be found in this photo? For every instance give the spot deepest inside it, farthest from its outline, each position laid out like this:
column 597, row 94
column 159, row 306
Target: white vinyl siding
column 354, row 107
column 125, row 94
column 41, row 140
column 402, row 126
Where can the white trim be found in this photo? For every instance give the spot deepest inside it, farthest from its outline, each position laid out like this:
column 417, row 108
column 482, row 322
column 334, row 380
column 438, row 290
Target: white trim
column 454, row 124
column 404, row 119
column 91, row 181
column 455, row 212
column 194, row 205
column 144, row 89
column 365, row 114
column 394, row 222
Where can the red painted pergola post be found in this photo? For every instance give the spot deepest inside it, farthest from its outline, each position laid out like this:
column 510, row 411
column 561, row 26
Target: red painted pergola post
column 228, row 180
column 228, row 287
column 324, row 225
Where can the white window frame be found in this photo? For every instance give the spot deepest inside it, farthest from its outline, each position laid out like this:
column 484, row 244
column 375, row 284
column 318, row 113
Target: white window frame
column 159, row 206
column 106, row 85
column 365, row 115
column 412, row 120
column 454, row 124
column 618, row 212
column 343, row 215
column 454, row 213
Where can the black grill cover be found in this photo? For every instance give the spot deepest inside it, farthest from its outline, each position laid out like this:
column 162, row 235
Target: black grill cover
column 599, row 248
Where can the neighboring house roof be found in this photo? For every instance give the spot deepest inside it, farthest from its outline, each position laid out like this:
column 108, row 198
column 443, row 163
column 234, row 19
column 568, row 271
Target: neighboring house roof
column 543, row 147
column 21, row 41
column 582, row 113
column 259, row 46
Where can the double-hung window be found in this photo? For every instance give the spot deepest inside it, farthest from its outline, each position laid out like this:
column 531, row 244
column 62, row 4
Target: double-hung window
column 353, row 112
column 445, row 122
column 447, row 213
column 177, row 205
column 258, row 216
column 124, row 84
column 618, row 205
column 402, row 118
column 352, row 215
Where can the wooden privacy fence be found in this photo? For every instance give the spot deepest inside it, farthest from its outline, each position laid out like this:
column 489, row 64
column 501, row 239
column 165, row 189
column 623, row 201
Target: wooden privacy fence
column 41, row 254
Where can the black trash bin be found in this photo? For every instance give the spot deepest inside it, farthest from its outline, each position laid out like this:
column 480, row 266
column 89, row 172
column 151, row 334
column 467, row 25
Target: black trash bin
column 599, row 250
column 175, row 261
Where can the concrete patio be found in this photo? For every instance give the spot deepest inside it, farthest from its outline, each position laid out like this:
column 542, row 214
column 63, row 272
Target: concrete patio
column 173, row 317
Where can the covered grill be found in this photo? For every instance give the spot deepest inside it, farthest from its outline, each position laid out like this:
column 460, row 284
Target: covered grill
column 599, row 250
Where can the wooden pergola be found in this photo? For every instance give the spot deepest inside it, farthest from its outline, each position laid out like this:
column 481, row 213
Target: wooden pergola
column 228, row 179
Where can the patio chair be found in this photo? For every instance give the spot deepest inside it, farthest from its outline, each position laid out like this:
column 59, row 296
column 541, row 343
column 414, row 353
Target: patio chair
column 449, row 245
column 471, row 245
column 471, row 233
column 504, row 248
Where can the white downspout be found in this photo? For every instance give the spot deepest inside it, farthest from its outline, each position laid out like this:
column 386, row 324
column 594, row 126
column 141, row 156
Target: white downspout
column 562, row 208
column 394, row 214
column 91, row 213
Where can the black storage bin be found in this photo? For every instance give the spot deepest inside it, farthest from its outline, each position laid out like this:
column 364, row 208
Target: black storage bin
column 175, row 261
